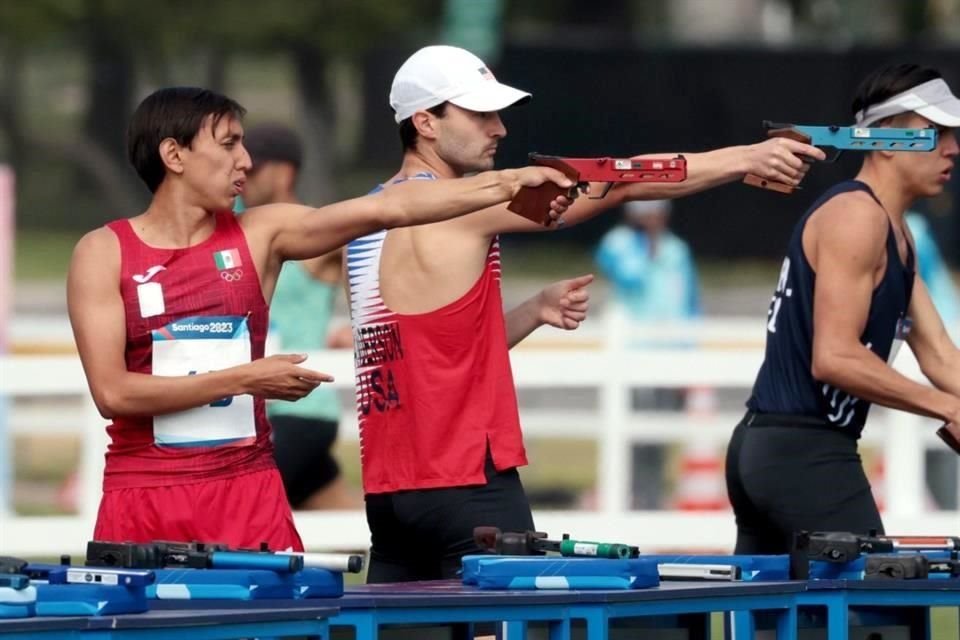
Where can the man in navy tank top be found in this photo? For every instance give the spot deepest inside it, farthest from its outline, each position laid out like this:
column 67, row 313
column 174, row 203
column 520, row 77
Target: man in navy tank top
column 169, row 312
column 847, row 297
column 437, row 408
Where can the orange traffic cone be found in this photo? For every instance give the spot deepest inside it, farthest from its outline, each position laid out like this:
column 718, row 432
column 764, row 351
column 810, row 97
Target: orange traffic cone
column 701, row 485
column 67, row 496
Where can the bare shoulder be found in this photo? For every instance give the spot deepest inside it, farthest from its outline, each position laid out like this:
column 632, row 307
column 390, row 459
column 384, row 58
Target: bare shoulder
column 286, row 216
column 100, row 246
column 853, row 218
column 263, row 224
column 94, row 269
column 266, row 215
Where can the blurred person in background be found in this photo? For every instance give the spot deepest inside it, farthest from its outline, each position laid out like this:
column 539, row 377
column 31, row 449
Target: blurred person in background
column 169, row 313
column 933, row 270
column 439, row 423
column 653, row 279
column 650, row 268
column 305, row 431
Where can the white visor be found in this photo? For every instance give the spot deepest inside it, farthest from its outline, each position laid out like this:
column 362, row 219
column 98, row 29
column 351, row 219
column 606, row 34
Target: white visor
column 933, row 100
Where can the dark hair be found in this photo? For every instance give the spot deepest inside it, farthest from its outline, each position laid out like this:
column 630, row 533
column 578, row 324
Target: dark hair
column 174, row 112
column 273, row 142
column 886, row 82
column 408, row 132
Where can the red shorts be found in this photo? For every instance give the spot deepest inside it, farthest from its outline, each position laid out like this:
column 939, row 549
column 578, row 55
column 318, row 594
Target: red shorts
column 241, row 511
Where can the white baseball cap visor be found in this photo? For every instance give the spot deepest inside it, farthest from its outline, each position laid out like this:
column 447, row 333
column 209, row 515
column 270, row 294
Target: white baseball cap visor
column 491, row 96
column 933, row 100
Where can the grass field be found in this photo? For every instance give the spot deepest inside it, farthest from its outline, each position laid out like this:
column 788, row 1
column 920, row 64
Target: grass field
column 43, row 255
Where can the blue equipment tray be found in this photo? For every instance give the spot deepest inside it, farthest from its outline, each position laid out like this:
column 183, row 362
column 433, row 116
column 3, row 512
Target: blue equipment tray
column 18, row 603
column 89, row 599
column 556, row 572
column 243, row 584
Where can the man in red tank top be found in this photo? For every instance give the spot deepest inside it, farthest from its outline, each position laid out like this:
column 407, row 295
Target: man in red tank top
column 440, row 430
column 169, row 312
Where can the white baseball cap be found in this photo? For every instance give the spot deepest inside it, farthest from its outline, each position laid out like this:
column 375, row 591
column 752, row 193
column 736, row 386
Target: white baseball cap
column 437, row 74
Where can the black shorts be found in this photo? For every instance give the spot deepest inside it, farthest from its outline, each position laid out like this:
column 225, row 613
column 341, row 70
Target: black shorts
column 423, row 534
column 302, row 449
column 783, row 478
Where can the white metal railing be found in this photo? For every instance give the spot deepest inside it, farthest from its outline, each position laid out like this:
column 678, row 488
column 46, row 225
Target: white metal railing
column 719, row 354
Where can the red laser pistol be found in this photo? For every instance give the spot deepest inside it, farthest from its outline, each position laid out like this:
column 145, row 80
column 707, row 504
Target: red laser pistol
column 534, row 203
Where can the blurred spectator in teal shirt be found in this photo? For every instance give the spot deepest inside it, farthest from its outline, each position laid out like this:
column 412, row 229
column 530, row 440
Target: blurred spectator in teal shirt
column 654, row 279
column 933, row 271
column 941, row 465
column 651, row 270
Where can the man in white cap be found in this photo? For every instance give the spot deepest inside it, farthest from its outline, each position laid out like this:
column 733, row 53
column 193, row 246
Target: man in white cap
column 439, row 426
column 848, row 295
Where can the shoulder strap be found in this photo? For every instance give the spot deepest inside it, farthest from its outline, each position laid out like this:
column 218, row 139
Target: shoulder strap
column 123, row 230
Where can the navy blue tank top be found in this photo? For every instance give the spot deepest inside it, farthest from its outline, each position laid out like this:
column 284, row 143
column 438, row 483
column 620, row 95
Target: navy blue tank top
column 785, row 384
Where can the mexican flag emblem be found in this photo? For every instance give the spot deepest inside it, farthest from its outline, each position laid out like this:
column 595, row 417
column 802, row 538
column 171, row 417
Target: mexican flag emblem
column 229, row 259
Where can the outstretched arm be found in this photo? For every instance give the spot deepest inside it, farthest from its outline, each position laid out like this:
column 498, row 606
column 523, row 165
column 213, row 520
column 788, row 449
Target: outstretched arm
column 563, row 305
column 777, row 159
column 299, row 232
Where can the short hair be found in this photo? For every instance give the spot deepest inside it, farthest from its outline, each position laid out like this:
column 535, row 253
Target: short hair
column 173, row 112
column 273, row 142
column 408, row 132
column 886, row 82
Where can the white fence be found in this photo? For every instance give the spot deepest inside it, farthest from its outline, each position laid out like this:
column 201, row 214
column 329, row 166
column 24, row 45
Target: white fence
column 715, row 354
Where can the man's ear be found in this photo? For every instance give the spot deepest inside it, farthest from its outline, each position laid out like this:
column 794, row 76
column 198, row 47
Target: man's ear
column 907, row 120
column 425, row 124
column 170, row 154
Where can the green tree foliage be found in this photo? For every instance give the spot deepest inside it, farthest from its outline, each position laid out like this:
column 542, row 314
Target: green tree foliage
column 124, row 45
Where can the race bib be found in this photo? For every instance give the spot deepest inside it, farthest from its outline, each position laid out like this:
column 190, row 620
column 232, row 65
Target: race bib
column 195, row 345
column 904, row 325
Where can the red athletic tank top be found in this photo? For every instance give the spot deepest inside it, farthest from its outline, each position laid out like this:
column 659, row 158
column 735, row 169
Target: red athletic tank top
column 434, row 390
column 189, row 311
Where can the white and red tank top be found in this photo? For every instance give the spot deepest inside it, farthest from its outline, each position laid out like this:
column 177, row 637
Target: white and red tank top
column 190, row 311
column 434, row 390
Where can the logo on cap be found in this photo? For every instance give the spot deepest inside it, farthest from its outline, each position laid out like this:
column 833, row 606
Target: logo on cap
column 486, row 73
